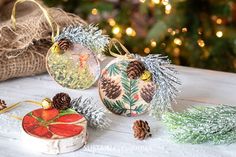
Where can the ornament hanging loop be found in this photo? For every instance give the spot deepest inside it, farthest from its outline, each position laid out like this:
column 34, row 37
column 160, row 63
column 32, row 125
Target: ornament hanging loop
column 45, row 13
column 127, row 54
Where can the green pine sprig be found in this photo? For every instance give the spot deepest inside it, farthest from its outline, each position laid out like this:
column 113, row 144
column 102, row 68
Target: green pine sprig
column 197, row 125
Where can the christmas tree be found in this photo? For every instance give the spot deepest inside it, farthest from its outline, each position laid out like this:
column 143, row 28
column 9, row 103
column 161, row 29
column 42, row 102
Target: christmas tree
column 192, row 33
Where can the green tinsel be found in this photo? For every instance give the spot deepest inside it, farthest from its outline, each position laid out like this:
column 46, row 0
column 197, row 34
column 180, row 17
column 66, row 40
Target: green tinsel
column 197, row 125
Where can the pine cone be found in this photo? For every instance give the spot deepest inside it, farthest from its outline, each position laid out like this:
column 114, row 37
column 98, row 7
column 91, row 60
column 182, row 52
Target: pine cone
column 141, row 129
column 2, row 104
column 65, row 44
column 61, row 101
column 147, row 92
column 111, row 89
column 135, row 69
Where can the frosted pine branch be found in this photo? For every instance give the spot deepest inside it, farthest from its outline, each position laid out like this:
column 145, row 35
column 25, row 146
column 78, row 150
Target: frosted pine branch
column 89, row 36
column 95, row 116
column 164, row 76
column 197, row 125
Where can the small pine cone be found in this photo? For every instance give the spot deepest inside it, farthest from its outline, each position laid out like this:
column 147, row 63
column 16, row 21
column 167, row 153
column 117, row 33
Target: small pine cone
column 135, row 69
column 111, row 89
column 65, row 44
column 147, row 92
column 61, row 101
column 2, row 104
column 141, row 129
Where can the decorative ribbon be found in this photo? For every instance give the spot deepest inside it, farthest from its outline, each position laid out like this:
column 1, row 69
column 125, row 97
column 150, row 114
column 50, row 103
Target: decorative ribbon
column 16, row 105
column 47, row 16
column 127, row 54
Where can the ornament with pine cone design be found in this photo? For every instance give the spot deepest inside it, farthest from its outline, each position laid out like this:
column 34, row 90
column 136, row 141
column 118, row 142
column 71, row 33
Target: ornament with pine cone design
column 148, row 91
column 135, row 69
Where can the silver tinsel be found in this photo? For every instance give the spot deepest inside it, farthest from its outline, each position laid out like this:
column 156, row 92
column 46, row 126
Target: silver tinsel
column 95, row 116
column 89, row 36
column 164, row 76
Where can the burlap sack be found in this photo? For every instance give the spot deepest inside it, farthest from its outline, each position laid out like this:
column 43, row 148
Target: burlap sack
column 23, row 51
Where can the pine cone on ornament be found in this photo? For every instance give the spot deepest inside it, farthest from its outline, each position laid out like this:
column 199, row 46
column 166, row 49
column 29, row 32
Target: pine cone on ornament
column 2, row 104
column 141, row 129
column 135, row 69
column 147, row 92
column 111, row 88
column 61, row 101
column 65, row 44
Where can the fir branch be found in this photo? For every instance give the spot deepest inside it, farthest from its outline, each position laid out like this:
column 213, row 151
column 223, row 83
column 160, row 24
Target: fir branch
column 197, row 125
column 95, row 116
column 164, row 76
column 89, row 36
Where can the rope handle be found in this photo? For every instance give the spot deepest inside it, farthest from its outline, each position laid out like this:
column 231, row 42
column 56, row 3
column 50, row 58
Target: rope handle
column 127, row 54
column 45, row 13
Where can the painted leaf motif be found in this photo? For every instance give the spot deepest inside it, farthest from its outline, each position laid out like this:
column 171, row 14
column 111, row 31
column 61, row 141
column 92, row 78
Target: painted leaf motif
column 113, row 69
column 53, row 123
column 66, row 130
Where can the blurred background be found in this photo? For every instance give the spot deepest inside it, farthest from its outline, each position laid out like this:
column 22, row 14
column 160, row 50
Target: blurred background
column 196, row 33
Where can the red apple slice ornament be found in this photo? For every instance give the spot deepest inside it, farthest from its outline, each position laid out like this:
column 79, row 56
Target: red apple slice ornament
column 54, row 131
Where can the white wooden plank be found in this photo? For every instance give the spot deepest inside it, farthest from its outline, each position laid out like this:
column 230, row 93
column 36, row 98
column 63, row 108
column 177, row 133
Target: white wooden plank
column 200, row 87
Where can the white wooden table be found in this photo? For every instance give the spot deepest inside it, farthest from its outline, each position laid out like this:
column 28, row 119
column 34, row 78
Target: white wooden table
column 199, row 87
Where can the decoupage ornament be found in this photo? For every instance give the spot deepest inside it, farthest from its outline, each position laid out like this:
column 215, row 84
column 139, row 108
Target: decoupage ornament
column 122, row 90
column 73, row 60
column 53, row 131
column 131, row 84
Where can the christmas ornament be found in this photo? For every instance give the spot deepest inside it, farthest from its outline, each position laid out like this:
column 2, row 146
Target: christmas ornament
column 60, row 126
column 95, row 116
column 2, row 104
column 141, row 129
column 131, row 84
column 61, row 101
column 203, row 124
column 54, row 131
column 73, row 60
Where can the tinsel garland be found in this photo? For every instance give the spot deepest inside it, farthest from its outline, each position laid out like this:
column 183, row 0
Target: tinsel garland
column 95, row 116
column 164, row 76
column 89, row 36
column 197, row 125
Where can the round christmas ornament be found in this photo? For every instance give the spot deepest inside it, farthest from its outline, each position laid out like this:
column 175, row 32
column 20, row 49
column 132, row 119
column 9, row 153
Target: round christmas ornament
column 60, row 125
column 73, row 60
column 53, row 131
column 131, row 84
column 125, row 88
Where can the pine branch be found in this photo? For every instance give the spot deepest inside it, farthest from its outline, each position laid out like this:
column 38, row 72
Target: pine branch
column 164, row 76
column 197, row 125
column 89, row 36
column 95, row 116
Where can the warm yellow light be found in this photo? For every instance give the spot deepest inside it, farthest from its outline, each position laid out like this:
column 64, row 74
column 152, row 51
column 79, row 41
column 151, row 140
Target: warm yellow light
column 116, row 30
column 167, row 9
column 219, row 21
column 219, row 34
column 201, row 43
column 130, row 31
column 111, row 22
column 153, row 43
column 147, row 50
column 156, row 1
column 176, row 52
column 184, row 29
column 173, row 33
column 94, row 11
column 165, row 2
column 169, row 30
column 142, row 1
column 177, row 41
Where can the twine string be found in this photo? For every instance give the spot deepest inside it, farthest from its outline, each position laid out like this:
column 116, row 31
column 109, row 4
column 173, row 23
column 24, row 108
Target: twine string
column 112, row 43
